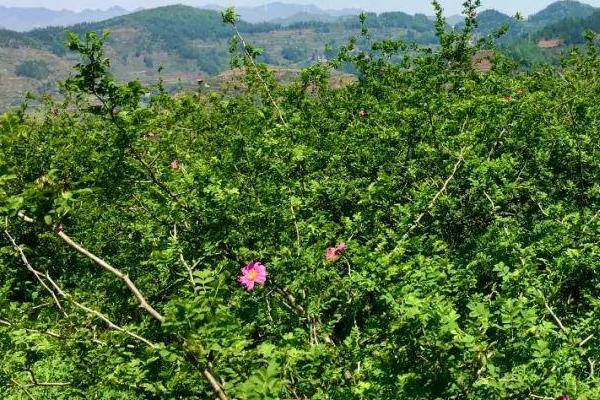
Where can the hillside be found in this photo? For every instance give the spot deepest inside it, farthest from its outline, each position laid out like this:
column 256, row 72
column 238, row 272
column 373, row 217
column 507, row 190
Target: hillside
column 188, row 42
column 561, row 10
column 558, row 12
column 570, row 31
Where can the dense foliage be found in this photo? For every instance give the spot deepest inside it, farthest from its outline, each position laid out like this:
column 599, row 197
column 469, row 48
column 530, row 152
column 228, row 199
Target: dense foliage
column 467, row 204
column 569, row 30
column 36, row 69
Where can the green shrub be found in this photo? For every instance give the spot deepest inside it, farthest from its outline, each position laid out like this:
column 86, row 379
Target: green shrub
column 468, row 204
column 35, row 69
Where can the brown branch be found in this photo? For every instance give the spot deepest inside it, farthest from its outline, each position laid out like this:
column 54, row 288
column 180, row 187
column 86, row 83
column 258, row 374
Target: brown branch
column 437, row 195
column 98, row 314
column 260, row 78
column 143, row 303
column 215, row 385
column 559, row 323
column 23, row 388
column 190, row 271
column 38, row 275
column 107, row 267
column 35, row 382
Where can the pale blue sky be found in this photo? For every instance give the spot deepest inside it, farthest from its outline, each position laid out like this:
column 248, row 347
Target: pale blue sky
column 423, row 6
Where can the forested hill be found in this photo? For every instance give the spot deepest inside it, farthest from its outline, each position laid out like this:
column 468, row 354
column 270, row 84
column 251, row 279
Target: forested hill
column 560, row 12
column 570, row 30
column 187, row 42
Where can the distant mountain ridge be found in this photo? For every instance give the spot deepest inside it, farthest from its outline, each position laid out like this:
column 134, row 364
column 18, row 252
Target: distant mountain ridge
column 283, row 11
column 188, row 42
column 22, row 19
column 558, row 12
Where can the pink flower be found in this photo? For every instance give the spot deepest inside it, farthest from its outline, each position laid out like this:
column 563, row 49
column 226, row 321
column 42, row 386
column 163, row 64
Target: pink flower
column 174, row 164
column 333, row 253
column 252, row 273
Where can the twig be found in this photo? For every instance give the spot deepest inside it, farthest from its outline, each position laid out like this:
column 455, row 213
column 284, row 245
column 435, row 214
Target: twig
column 98, row 314
column 49, row 333
column 107, row 267
column 586, row 340
column 207, row 374
column 437, row 195
column 490, row 200
column 562, row 327
column 290, row 300
column 35, row 382
column 190, row 270
column 23, row 388
column 251, row 58
column 25, row 218
column 37, row 274
column 591, row 221
column 215, row 385
column 296, row 226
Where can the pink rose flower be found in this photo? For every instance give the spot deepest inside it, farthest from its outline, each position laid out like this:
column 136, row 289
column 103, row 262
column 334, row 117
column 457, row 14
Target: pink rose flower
column 253, row 273
column 174, row 164
column 333, row 253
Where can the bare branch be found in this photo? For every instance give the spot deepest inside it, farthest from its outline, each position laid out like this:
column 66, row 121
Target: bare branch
column 562, row 327
column 98, row 314
column 25, row 218
column 260, row 78
column 586, row 340
column 107, row 267
column 35, row 382
column 218, row 390
column 23, row 388
column 215, row 385
column 38, row 275
column 437, row 195
column 190, row 270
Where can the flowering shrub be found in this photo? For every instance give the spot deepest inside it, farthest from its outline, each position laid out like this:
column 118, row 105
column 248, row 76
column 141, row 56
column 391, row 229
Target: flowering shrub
column 472, row 228
column 333, row 253
column 252, row 274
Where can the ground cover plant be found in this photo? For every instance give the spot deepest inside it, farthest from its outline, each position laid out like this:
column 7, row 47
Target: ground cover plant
column 427, row 232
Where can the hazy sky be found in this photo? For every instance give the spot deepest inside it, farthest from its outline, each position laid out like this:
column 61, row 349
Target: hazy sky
column 412, row 6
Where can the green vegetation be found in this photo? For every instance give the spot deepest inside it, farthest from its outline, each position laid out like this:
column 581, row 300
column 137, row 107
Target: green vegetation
column 36, row 69
column 468, row 204
column 570, row 31
column 186, row 42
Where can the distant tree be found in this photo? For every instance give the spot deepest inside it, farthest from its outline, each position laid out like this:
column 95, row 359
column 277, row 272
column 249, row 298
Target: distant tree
column 294, row 53
column 148, row 62
column 35, row 69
